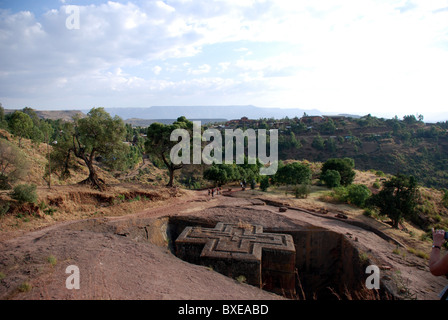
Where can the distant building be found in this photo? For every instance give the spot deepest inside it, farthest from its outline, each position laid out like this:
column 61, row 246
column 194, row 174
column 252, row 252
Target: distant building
column 243, row 120
column 311, row 119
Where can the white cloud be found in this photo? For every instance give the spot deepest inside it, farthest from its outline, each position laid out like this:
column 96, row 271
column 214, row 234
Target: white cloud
column 205, row 68
column 349, row 54
column 157, row 70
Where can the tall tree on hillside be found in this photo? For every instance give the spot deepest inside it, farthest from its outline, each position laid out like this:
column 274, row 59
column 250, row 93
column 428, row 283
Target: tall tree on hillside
column 99, row 135
column 21, row 125
column 13, row 164
column 158, row 143
column 397, row 199
column 61, row 157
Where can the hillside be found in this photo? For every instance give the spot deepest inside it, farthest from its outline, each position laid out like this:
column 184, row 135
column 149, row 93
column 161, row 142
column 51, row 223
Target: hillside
column 407, row 146
column 66, row 115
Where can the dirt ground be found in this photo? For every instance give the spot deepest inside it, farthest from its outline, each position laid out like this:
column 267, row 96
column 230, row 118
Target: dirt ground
column 114, row 264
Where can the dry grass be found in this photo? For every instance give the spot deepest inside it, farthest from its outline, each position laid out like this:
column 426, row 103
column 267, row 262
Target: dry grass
column 67, row 203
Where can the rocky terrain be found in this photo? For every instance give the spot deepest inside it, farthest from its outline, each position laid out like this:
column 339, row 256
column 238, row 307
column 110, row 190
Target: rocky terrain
column 130, row 256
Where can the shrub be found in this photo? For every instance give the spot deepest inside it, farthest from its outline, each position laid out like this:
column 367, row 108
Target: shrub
column 340, row 194
column 358, row 194
column 302, row 191
column 24, row 193
column 380, row 173
column 25, row 287
column 264, row 183
column 368, row 212
column 343, row 166
column 52, row 260
column 293, row 173
column 376, row 184
column 332, row 178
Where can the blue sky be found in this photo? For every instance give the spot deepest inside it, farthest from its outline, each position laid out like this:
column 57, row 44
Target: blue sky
column 354, row 56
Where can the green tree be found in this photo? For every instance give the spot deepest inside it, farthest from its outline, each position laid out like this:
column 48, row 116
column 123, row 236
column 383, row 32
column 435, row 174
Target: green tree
column 293, row 173
column 158, row 143
column 21, row 125
column 222, row 173
column 99, row 135
column 344, row 166
column 13, row 164
column 264, row 183
column 61, row 159
column 328, row 127
column 318, row 143
column 397, row 199
column 330, row 145
column 358, row 194
column 332, row 178
column 409, row 119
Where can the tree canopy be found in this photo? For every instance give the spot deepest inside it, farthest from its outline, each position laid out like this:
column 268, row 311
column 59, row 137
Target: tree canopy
column 13, row 164
column 293, row 173
column 99, row 135
column 397, row 199
column 344, row 166
column 21, row 125
column 158, row 143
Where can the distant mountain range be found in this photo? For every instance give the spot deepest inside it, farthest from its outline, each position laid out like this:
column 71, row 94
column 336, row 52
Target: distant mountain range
column 166, row 114
column 208, row 112
column 66, row 115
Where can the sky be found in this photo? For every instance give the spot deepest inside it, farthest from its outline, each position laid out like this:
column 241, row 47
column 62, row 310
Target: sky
column 380, row 57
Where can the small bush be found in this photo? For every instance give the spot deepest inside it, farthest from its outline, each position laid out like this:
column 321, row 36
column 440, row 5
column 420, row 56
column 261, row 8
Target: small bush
column 376, row 184
column 50, row 211
column 358, row 194
column 340, row 194
column 25, row 287
column 368, row 212
column 52, row 260
column 264, row 183
column 302, row 191
column 380, row 173
column 25, row 193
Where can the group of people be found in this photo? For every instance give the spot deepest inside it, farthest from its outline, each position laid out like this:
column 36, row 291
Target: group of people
column 212, row 191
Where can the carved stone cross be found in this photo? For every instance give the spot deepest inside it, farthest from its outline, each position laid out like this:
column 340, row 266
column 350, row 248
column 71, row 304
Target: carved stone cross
column 266, row 260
